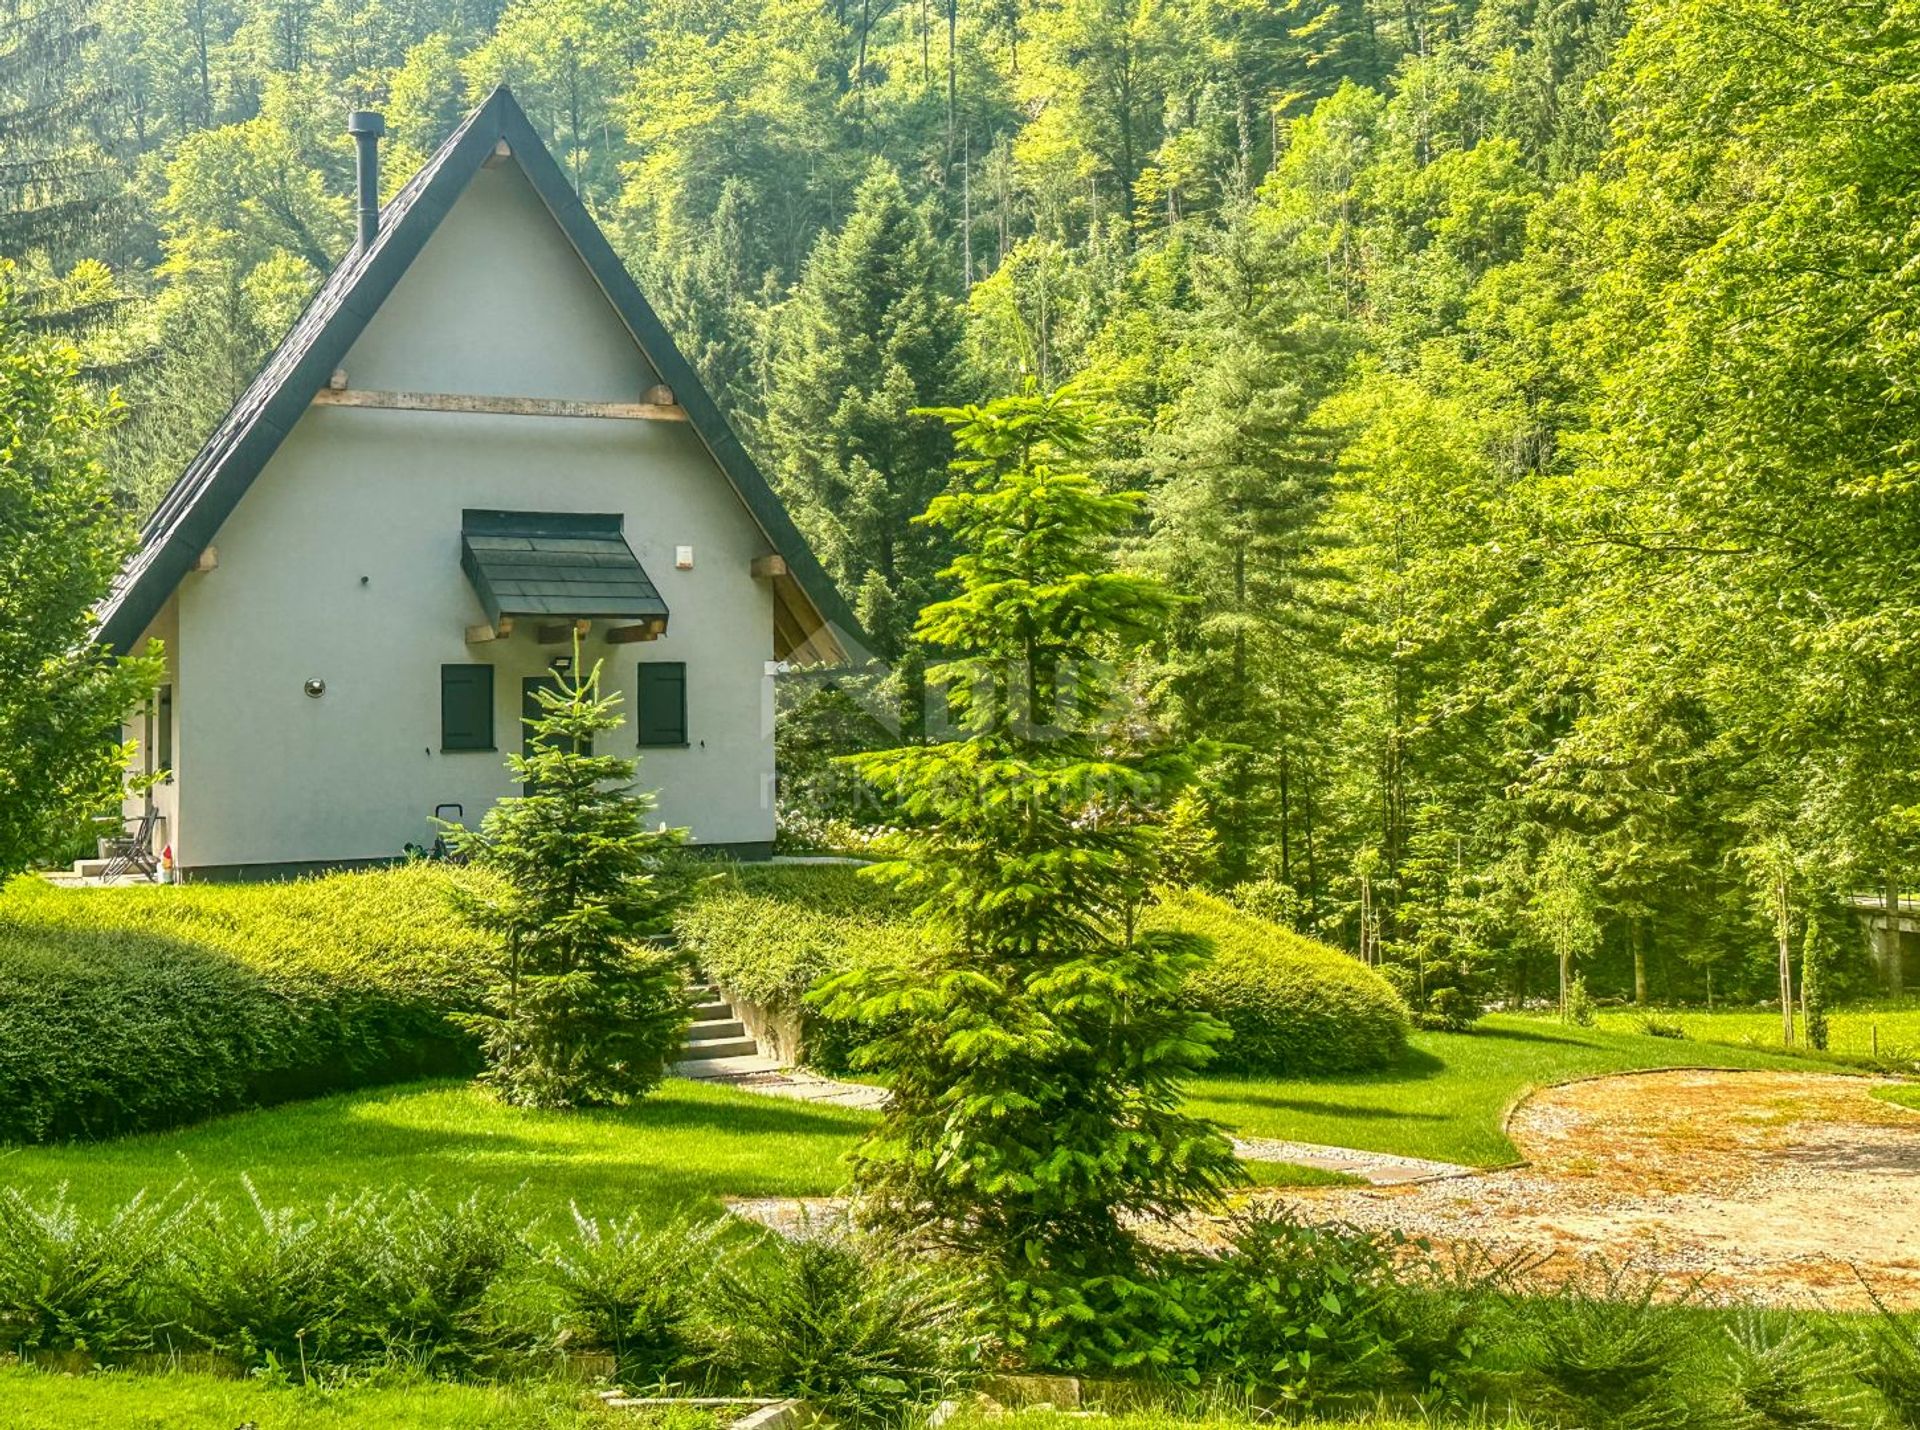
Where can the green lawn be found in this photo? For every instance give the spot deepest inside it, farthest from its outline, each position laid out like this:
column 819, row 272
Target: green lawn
column 1852, row 1031
column 1905, row 1096
column 684, row 1147
column 31, row 1400
column 1447, row 1098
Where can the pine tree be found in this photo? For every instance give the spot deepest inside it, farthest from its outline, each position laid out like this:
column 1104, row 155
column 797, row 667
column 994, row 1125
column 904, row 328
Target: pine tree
column 62, row 538
column 869, row 333
column 585, row 1008
column 1037, row 1056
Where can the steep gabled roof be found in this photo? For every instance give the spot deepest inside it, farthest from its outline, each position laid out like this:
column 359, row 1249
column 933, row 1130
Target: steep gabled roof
column 206, row 493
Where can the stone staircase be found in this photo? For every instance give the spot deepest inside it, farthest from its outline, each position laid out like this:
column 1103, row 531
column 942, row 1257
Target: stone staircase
column 715, row 1033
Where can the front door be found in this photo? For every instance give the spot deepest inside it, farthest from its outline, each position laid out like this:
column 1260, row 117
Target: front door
column 530, row 710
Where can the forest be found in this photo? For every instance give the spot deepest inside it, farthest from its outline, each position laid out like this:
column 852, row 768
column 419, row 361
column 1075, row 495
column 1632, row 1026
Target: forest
column 1526, row 393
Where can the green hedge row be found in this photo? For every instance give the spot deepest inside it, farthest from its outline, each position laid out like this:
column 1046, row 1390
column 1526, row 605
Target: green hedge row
column 770, row 933
column 1296, row 1006
column 128, row 1009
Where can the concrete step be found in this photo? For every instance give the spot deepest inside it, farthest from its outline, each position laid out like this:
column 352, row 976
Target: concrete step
column 707, row 1029
column 704, row 1049
column 702, row 1012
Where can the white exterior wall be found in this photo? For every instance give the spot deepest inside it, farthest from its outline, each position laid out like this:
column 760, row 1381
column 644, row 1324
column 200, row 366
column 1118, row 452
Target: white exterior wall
column 342, row 563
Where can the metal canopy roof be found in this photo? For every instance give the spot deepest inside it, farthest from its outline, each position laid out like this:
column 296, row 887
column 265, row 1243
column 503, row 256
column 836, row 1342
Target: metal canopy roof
column 574, row 565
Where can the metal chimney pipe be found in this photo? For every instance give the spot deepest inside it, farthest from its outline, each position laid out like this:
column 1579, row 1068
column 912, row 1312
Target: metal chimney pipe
column 366, row 127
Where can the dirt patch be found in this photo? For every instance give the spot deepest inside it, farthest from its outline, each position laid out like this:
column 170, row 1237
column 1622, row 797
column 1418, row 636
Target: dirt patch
column 1757, row 1187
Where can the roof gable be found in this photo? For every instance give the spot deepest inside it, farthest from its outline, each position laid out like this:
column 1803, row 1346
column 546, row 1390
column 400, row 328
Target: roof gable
column 207, row 492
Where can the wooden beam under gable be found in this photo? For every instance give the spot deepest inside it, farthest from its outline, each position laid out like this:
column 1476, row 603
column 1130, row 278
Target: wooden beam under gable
column 497, row 406
column 648, row 630
column 562, row 632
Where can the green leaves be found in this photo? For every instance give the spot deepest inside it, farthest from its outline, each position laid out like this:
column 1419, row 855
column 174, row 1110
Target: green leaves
column 1036, row 1047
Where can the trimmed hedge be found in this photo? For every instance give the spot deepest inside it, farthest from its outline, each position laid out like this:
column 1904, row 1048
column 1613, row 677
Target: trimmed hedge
column 1296, row 1006
column 124, row 1010
column 770, row 933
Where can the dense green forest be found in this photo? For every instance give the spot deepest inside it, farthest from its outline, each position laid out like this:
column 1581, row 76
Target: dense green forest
column 1527, row 392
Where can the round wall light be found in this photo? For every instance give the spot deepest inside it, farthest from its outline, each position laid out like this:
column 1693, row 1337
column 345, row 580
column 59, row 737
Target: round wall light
column 315, row 688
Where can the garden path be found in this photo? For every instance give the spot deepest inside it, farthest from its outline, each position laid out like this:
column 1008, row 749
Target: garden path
column 769, row 1078
column 1778, row 1188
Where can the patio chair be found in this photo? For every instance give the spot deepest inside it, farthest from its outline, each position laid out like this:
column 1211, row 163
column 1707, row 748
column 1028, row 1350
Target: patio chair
column 131, row 853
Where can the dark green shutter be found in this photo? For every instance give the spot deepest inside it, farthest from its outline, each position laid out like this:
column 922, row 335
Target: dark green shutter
column 466, row 707
column 663, row 703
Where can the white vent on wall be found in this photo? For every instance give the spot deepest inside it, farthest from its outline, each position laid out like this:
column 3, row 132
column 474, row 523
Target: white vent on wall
column 683, row 558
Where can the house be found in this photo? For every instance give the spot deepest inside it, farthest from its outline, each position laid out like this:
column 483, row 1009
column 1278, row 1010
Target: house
column 477, row 443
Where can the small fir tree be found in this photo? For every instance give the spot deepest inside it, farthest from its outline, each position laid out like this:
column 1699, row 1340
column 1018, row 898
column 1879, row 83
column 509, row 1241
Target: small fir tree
column 587, row 1007
column 1038, row 1052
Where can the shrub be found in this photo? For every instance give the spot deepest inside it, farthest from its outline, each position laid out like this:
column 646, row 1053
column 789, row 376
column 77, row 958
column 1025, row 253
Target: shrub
column 1295, row 1006
column 1296, row 1311
column 1663, row 1028
column 628, row 1288
column 859, row 1334
column 377, row 1277
column 123, row 1010
column 770, row 933
column 1579, row 1008
column 1610, row 1356
column 73, row 1282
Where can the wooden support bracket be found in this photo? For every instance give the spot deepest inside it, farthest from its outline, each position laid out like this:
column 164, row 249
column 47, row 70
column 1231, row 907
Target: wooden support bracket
column 650, row 629
column 498, row 406
column 765, row 568
column 498, row 631
column 562, row 632
column 207, row 559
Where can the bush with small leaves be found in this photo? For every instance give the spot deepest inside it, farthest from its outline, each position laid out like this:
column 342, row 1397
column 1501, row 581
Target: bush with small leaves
column 70, row 1281
column 1889, row 1354
column 1781, row 1373
column 829, row 1317
column 1297, row 1311
column 378, row 1277
column 629, row 1288
column 1609, row 1355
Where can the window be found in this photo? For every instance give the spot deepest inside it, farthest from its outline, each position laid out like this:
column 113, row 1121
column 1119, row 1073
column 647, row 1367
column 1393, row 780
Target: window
column 466, row 707
column 163, row 718
column 663, row 702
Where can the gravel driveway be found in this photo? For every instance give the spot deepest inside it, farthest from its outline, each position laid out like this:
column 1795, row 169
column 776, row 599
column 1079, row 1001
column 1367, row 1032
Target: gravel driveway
column 1759, row 1187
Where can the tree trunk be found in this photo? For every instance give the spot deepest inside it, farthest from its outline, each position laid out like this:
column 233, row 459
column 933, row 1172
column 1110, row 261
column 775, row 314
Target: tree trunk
column 1890, row 904
column 1786, row 990
column 1634, row 933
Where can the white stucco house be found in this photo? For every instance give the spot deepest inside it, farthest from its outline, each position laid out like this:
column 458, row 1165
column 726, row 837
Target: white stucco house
column 476, row 441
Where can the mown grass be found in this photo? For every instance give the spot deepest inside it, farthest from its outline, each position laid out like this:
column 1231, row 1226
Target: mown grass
column 1908, row 1096
column 1858, row 1030
column 1447, row 1097
column 681, row 1149
column 32, row 1400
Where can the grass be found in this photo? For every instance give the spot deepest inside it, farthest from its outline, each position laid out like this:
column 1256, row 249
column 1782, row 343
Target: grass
column 1853, row 1031
column 1908, row 1096
column 32, row 1399
column 1446, row 1099
column 683, row 1148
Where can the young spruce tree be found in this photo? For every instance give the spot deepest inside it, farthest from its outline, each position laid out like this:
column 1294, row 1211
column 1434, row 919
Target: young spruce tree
column 1037, row 1057
column 586, row 1009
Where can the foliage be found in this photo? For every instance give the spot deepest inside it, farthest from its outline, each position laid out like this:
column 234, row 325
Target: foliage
column 128, row 1009
column 1610, row 1354
column 860, row 1333
column 770, row 934
column 1296, row 1311
column 1782, row 1372
column 628, row 1288
column 377, row 1277
column 583, row 1008
column 1295, row 1007
column 1577, row 1009
column 62, row 537
column 68, row 1280
column 1037, row 1052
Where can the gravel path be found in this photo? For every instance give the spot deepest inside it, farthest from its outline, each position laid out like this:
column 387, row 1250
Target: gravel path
column 1768, row 1187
